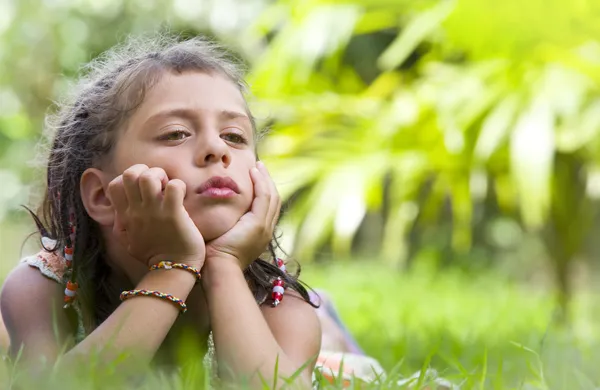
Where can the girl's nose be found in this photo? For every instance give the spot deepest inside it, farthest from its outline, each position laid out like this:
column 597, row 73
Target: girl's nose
column 214, row 150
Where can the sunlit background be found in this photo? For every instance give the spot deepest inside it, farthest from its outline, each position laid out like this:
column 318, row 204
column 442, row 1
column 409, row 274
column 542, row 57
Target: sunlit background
column 440, row 161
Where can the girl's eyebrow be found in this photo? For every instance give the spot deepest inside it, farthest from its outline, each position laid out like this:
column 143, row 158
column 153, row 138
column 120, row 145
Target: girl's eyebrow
column 227, row 114
column 242, row 118
column 192, row 115
column 185, row 113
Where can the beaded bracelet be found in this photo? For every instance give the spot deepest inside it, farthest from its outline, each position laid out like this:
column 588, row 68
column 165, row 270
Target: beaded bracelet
column 150, row 293
column 171, row 265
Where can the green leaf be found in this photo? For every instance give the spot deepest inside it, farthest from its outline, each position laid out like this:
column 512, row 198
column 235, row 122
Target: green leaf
column 532, row 156
column 320, row 211
column 291, row 174
column 415, row 32
column 462, row 211
column 363, row 192
column 376, row 20
column 495, row 127
column 589, row 125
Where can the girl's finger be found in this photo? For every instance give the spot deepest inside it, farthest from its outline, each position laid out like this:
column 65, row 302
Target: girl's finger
column 277, row 213
column 262, row 195
column 132, row 187
column 174, row 194
column 116, row 194
column 275, row 203
column 120, row 231
column 118, row 198
column 152, row 182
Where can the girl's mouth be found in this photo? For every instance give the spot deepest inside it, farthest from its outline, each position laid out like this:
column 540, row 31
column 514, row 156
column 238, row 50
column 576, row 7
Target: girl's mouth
column 218, row 187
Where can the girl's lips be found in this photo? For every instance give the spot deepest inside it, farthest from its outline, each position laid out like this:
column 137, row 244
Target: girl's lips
column 215, row 192
column 218, row 187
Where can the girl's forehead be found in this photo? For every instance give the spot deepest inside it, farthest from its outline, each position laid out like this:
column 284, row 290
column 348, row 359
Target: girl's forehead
column 199, row 90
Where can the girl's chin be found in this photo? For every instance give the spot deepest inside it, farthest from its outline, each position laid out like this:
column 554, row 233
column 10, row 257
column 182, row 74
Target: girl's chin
column 216, row 229
column 216, row 220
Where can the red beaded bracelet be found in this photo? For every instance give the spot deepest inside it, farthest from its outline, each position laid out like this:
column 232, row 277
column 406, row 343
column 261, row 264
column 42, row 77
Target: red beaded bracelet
column 150, row 293
column 170, row 265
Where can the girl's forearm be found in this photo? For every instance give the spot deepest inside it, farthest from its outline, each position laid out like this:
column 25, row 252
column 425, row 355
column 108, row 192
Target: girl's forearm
column 196, row 318
column 140, row 324
column 244, row 342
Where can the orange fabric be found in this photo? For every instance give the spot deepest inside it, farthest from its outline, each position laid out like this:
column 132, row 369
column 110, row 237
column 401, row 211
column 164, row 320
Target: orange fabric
column 54, row 266
column 50, row 264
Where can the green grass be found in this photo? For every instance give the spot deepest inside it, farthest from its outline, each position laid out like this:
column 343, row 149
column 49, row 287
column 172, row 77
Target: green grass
column 482, row 332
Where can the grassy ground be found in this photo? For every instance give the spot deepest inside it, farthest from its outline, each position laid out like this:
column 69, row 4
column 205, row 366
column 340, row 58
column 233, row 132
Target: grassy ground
column 480, row 332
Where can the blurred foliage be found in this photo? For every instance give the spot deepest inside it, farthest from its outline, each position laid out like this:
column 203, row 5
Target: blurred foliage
column 470, row 98
column 464, row 102
column 399, row 127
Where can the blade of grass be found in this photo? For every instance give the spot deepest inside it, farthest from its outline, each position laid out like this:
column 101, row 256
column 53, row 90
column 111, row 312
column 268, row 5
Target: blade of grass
column 484, row 370
column 299, row 371
column 340, row 377
column 424, row 367
column 498, row 385
column 275, row 373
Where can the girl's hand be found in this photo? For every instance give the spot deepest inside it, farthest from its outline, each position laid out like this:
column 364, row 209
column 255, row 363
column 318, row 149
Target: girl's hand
column 150, row 220
column 251, row 235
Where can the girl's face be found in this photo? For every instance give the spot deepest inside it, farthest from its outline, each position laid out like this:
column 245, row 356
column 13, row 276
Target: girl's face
column 195, row 126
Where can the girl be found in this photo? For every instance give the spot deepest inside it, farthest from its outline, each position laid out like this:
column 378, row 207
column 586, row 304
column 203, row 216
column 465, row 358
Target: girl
column 156, row 205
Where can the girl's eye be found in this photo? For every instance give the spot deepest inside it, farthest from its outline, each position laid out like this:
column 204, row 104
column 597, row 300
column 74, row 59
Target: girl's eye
column 176, row 135
column 235, row 138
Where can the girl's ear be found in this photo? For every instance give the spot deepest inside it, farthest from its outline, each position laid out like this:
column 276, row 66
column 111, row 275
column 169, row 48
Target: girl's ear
column 93, row 188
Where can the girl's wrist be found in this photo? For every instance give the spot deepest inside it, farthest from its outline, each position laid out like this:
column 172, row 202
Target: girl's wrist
column 197, row 314
column 192, row 261
column 220, row 270
column 162, row 275
column 177, row 283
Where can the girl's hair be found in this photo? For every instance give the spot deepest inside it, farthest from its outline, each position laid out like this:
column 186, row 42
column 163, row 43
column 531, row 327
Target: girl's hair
column 84, row 131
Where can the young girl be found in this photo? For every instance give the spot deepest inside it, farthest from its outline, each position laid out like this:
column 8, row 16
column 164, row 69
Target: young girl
column 158, row 216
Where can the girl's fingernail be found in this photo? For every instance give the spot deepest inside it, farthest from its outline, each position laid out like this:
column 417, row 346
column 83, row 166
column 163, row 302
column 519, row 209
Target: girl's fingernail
column 260, row 164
